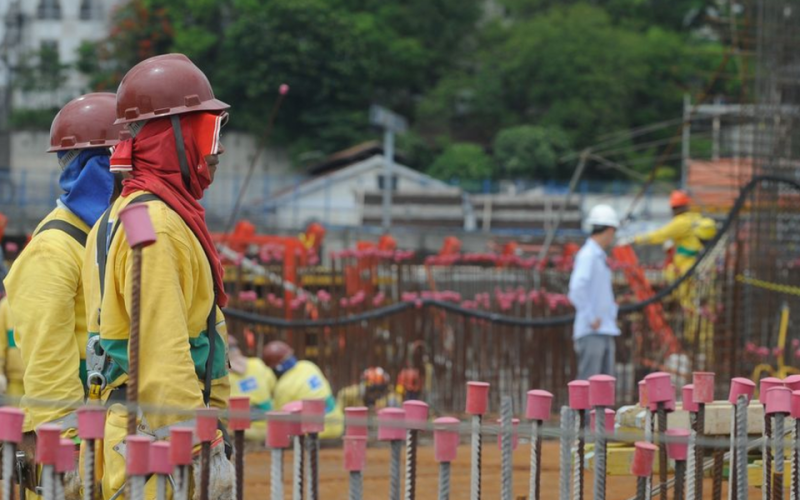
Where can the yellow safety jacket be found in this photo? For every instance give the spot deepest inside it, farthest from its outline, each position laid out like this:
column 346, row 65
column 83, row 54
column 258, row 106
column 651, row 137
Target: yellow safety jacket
column 10, row 357
column 680, row 230
column 353, row 395
column 306, row 381
column 45, row 292
column 257, row 382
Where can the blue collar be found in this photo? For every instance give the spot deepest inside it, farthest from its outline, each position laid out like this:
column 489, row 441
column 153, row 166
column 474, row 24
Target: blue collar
column 285, row 365
column 87, row 183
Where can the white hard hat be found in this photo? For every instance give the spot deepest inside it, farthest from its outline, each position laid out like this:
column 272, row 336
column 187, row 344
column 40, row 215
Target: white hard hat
column 603, row 215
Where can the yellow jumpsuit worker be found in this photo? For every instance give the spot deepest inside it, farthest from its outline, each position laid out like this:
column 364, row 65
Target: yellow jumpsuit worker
column 299, row 380
column 10, row 357
column 44, row 286
column 374, row 391
column 250, row 377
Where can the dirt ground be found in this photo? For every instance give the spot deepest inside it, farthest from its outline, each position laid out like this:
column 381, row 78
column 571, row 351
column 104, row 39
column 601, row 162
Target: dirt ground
column 334, row 480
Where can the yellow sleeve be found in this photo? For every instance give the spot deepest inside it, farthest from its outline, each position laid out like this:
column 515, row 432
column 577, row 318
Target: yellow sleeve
column 674, row 230
column 42, row 291
column 167, row 375
column 4, row 327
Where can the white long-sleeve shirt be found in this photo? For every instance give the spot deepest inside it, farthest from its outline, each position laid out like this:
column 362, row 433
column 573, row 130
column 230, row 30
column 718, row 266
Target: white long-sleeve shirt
column 591, row 292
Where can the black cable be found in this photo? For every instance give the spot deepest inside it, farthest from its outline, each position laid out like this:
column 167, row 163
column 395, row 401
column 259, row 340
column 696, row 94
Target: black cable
column 503, row 319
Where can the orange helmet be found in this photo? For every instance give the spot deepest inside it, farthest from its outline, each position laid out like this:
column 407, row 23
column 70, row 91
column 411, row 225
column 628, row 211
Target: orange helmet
column 410, row 380
column 86, row 122
column 679, row 198
column 275, row 353
column 375, row 376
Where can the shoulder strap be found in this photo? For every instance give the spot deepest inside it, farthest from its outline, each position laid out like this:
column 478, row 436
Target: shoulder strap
column 75, row 232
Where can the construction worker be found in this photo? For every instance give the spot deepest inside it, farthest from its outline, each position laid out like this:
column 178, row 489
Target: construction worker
column 590, row 291
column 374, row 391
column 10, row 359
column 44, row 285
column 299, row 380
column 250, row 377
column 174, row 118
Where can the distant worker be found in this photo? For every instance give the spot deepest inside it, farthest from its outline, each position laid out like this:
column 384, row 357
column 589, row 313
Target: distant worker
column 250, row 377
column 10, row 358
column 591, row 293
column 44, row 286
column 299, row 380
column 409, row 384
column 374, row 391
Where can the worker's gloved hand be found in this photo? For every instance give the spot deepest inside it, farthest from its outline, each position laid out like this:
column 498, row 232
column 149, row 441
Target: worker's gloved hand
column 222, row 484
column 625, row 241
column 3, row 384
column 72, row 486
column 28, row 446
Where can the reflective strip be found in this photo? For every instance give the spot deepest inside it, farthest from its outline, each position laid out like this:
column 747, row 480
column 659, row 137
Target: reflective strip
column 11, row 342
column 685, row 251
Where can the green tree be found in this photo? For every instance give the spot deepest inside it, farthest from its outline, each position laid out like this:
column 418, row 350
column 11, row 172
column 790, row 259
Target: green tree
column 528, row 151
column 464, row 162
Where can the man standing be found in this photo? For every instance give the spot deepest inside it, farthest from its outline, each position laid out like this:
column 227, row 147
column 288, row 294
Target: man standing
column 591, row 292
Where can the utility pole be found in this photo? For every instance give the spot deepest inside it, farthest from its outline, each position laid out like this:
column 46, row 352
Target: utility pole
column 392, row 124
column 685, row 142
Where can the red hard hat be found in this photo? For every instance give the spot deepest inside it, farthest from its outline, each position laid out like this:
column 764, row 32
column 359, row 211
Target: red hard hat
column 86, row 122
column 275, row 353
column 163, row 86
column 375, row 376
column 679, row 198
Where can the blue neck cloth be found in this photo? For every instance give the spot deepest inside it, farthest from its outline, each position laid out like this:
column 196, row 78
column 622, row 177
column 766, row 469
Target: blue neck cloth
column 286, row 365
column 88, row 184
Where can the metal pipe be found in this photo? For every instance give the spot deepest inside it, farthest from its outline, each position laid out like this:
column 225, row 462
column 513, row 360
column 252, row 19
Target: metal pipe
column 566, row 448
column 506, row 446
column 662, row 450
column 766, row 457
column 444, row 481
column 276, row 478
column 161, row 487
column 132, row 384
column 700, row 429
column 9, row 454
column 475, row 458
column 779, row 442
column 298, row 474
column 238, row 442
column 578, row 487
column 600, row 454
column 394, row 469
column 205, row 470
column 313, row 466
column 88, row 471
column 680, row 479
column 536, row 456
column 412, row 439
column 356, row 485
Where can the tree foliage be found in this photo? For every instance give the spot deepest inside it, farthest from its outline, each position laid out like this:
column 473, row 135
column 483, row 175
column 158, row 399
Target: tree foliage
column 462, row 162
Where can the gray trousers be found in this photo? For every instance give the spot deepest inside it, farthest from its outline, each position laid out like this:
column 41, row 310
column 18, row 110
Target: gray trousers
column 596, row 355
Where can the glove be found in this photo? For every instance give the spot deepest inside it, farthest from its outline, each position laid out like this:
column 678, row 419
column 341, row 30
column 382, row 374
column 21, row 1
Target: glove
column 72, row 486
column 625, row 241
column 222, row 484
column 3, row 384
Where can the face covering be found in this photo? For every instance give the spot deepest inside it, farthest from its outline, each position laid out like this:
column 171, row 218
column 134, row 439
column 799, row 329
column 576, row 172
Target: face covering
column 87, row 183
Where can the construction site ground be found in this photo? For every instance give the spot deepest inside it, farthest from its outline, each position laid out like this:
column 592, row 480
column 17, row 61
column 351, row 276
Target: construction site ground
column 334, row 479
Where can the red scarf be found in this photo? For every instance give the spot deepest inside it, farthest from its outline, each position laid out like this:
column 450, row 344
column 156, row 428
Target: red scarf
column 152, row 159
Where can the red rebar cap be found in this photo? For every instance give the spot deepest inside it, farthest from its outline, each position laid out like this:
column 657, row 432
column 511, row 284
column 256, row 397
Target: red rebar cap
column 602, row 390
column 688, row 399
column 91, row 422
column 355, row 418
column 159, row 458
column 540, row 404
column 677, row 444
column 416, row 414
column 278, row 424
column 295, row 409
column 313, row 412
column 779, row 400
column 445, row 438
column 643, row 401
column 610, row 414
column 643, row 456
column 207, row 424
column 659, row 388
column 796, row 404
column 792, row 382
column 11, row 420
column 741, row 387
column 137, row 456
column 579, row 395
column 355, row 453
column 703, row 383
column 765, row 384
column 181, row 444
column 514, row 433
column 239, row 413
column 48, row 440
column 390, row 424
column 66, row 456
column 477, row 398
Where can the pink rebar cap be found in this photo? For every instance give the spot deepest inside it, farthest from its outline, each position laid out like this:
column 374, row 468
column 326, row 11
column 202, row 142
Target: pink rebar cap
column 11, row 420
column 355, row 453
column 514, row 433
column 643, row 456
column 677, row 444
column 579, row 395
column 703, row 383
column 159, row 458
column 416, row 414
column 602, row 390
column 91, row 422
column 137, row 224
column 779, row 400
column 741, row 387
column 239, row 413
column 359, row 414
column 278, row 424
column 796, row 404
column 313, row 412
column 477, row 397
column 137, row 457
column 659, row 388
column 765, row 384
column 445, row 438
column 390, row 424
column 792, row 382
column 207, row 424
column 248, row 295
column 610, row 414
column 48, row 440
column 540, row 404
column 66, row 456
column 688, row 399
column 180, row 446
column 295, row 409
column 643, row 401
